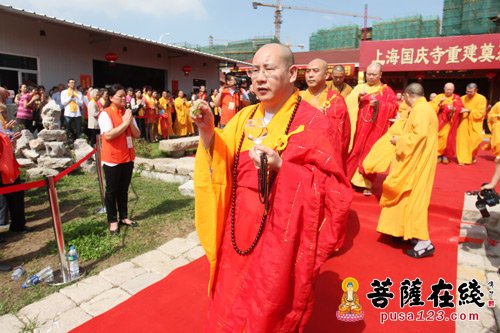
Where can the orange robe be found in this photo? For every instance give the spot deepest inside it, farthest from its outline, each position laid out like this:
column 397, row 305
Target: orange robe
column 494, row 125
column 165, row 121
column 346, row 89
column 470, row 128
column 406, row 192
column 370, row 125
column 448, row 122
column 332, row 104
column 270, row 289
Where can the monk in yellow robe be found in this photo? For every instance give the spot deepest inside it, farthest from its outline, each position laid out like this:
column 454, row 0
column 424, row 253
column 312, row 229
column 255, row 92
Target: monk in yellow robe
column 382, row 152
column 337, row 83
column 330, row 103
column 371, row 105
column 263, row 262
column 407, row 189
column 494, row 125
column 470, row 128
column 448, row 107
column 183, row 124
column 165, row 123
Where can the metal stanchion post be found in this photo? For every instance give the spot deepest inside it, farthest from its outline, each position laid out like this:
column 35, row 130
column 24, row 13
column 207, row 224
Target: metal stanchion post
column 101, row 210
column 57, row 225
column 64, row 276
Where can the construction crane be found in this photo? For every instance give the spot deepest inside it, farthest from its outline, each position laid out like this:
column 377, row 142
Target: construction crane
column 279, row 8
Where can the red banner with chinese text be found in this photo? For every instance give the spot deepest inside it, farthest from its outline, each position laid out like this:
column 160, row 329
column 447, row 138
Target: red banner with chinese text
column 472, row 52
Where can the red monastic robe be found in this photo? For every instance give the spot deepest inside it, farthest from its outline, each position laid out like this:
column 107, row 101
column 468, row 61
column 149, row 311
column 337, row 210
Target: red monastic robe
column 370, row 126
column 270, row 290
column 336, row 110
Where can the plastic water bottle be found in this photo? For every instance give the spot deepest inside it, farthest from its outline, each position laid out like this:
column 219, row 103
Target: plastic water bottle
column 74, row 268
column 17, row 273
column 46, row 274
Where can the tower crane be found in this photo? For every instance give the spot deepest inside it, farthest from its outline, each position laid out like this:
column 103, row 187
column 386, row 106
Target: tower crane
column 279, row 8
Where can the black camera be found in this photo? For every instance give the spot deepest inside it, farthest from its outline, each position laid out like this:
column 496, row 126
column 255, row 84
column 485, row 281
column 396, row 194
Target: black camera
column 485, row 198
column 241, row 82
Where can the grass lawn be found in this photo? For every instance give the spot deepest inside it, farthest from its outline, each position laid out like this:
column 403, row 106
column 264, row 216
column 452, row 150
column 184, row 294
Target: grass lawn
column 160, row 210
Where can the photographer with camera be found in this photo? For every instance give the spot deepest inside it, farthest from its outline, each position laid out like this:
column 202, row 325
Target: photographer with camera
column 231, row 99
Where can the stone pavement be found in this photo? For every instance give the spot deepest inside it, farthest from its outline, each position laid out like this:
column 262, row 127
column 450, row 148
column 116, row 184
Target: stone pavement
column 79, row 302
column 479, row 259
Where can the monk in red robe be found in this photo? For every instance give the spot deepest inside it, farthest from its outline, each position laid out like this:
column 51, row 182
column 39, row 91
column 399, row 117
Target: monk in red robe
column 448, row 107
column 329, row 102
column 371, row 105
column 263, row 260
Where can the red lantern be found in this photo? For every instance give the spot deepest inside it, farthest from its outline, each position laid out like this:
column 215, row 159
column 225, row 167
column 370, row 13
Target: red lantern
column 491, row 75
column 111, row 57
column 187, row 69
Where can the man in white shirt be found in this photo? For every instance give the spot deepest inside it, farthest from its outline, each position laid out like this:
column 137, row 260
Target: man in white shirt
column 72, row 101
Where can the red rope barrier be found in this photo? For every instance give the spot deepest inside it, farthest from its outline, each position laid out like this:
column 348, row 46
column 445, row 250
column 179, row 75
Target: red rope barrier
column 40, row 183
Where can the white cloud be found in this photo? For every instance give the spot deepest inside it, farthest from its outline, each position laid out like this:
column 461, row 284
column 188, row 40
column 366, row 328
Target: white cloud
column 76, row 9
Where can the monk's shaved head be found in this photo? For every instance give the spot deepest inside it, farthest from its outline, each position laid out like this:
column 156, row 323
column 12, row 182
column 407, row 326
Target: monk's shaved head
column 320, row 63
column 375, row 66
column 285, row 53
column 415, row 89
column 449, row 89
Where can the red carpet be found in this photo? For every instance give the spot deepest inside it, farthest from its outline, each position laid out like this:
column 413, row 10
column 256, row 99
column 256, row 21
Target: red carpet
column 178, row 303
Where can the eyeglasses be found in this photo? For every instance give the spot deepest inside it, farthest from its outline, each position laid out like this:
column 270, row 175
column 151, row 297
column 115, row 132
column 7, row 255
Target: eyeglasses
column 267, row 72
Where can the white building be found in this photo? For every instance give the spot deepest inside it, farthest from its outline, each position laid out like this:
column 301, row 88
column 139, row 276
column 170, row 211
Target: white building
column 42, row 50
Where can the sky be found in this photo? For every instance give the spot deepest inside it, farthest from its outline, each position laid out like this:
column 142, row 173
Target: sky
column 192, row 21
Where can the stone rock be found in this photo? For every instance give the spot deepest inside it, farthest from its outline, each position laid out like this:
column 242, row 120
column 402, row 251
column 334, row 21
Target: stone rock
column 179, row 145
column 89, row 167
column 41, row 172
column 37, row 144
column 53, row 135
column 187, row 189
column 24, row 140
column 56, row 149
column 26, row 163
column 82, row 148
column 51, row 115
column 54, row 163
column 31, row 154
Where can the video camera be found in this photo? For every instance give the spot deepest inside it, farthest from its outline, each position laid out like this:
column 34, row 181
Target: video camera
column 485, row 198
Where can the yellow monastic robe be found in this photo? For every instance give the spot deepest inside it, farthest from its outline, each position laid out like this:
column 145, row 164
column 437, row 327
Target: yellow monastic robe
column 212, row 174
column 380, row 156
column 168, row 115
column 470, row 128
column 407, row 189
column 183, row 124
column 494, row 125
column 316, row 101
column 346, row 89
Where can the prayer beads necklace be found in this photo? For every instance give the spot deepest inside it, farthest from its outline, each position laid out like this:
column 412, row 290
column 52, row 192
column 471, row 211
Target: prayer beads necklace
column 264, row 186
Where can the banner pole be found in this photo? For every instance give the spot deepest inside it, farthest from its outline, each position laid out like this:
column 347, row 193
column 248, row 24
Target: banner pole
column 57, row 226
column 101, row 210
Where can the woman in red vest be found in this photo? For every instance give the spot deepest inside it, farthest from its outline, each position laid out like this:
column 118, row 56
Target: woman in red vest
column 118, row 129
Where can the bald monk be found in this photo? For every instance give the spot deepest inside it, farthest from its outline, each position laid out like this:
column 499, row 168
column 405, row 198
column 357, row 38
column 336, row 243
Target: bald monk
column 258, row 282
column 448, row 107
column 337, row 83
column 330, row 103
column 371, row 105
column 470, row 128
column 407, row 189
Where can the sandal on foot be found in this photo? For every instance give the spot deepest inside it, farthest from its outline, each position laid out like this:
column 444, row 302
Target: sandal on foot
column 428, row 251
column 367, row 192
column 132, row 224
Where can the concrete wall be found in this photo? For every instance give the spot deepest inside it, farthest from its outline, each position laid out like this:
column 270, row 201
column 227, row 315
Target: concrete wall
column 68, row 52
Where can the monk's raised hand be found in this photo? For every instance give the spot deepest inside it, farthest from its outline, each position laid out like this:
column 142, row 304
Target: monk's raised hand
column 202, row 116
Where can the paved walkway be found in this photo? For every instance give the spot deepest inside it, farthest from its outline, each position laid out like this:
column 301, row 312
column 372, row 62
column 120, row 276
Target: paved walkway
column 79, row 302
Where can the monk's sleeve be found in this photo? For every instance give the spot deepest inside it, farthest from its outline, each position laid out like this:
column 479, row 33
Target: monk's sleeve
column 408, row 143
column 479, row 109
